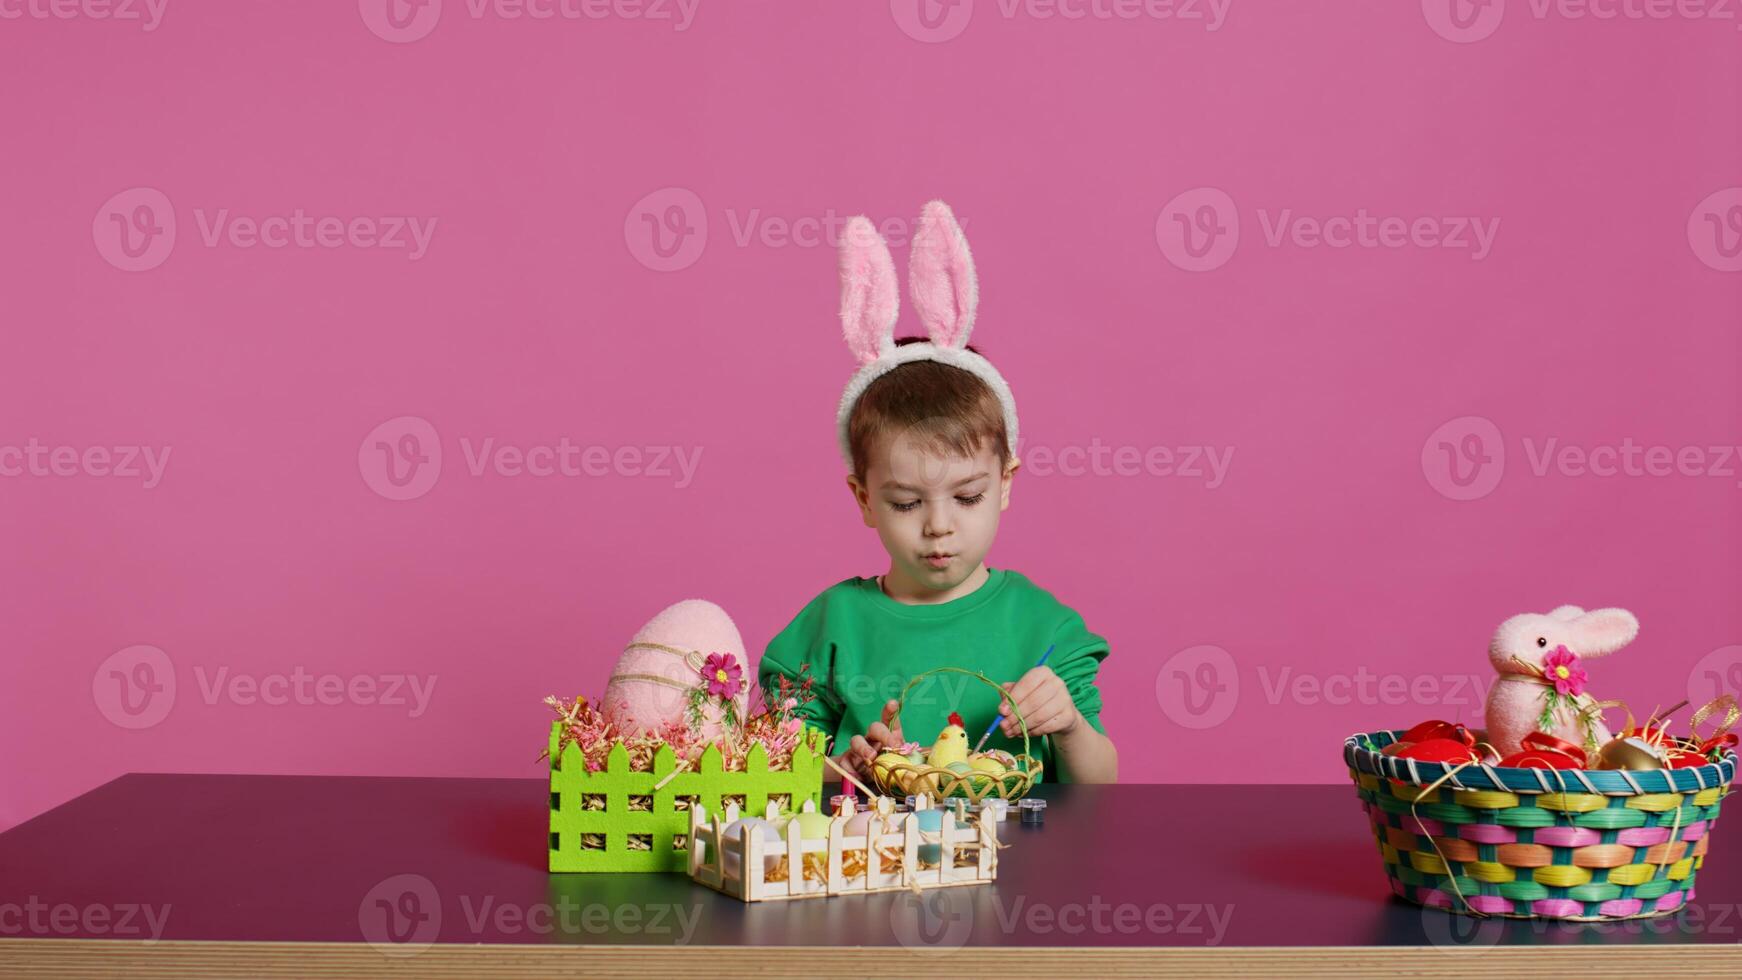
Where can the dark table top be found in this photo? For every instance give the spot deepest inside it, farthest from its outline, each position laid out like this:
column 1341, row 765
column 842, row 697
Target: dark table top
column 392, row 861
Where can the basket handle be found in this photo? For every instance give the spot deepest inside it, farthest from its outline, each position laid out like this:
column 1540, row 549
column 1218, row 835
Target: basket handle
column 902, row 699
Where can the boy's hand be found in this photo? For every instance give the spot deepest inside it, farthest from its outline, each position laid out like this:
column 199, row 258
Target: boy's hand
column 882, row 736
column 1045, row 704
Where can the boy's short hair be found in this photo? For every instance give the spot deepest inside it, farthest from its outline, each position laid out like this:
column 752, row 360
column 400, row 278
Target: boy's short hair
column 943, row 408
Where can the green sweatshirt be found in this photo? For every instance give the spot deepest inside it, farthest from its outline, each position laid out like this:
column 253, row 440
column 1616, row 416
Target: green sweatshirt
column 863, row 647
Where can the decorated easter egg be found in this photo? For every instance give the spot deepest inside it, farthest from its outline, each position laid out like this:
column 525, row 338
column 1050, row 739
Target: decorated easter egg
column 812, row 825
column 931, row 824
column 988, row 765
column 882, row 765
column 686, row 665
column 859, row 823
column 736, row 830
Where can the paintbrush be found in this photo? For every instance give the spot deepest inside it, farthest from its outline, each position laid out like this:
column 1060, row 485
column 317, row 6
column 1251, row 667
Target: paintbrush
column 994, row 726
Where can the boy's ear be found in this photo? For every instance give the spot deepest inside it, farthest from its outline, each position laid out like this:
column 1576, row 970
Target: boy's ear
column 861, row 497
column 1009, row 475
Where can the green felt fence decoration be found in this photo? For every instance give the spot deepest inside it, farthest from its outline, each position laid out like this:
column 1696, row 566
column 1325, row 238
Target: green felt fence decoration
column 584, row 838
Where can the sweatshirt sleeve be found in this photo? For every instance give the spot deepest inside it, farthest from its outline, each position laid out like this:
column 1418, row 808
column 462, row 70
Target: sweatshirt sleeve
column 1076, row 659
column 801, row 649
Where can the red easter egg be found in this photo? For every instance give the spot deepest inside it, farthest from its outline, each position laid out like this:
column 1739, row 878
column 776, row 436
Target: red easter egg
column 1448, row 750
column 1431, row 729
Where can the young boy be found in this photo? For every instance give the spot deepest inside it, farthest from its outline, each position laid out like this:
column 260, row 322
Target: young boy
column 927, row 429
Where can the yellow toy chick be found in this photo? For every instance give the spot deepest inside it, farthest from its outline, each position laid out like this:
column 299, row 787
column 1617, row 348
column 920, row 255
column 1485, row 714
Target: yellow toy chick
column 951, row 746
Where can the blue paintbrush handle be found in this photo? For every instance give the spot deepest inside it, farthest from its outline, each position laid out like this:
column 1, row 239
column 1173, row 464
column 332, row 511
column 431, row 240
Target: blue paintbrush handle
column 994, row 726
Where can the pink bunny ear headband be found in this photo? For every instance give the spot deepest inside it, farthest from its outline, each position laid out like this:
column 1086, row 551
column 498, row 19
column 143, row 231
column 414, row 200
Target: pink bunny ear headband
column 940, row 280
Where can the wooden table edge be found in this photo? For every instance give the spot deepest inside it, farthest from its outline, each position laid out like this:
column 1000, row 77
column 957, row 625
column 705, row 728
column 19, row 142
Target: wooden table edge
column 44, row 957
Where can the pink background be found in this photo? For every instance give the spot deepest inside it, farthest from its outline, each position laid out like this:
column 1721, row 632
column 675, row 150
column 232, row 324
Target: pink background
column 537, row 314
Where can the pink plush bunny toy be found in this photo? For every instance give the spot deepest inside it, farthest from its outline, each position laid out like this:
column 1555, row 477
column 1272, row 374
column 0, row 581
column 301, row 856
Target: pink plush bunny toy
column 1556, row 645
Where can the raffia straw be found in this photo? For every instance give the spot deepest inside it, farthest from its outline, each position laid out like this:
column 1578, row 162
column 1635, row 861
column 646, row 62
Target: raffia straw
column 849, row 778
column 1451, row 878
column 682, row 764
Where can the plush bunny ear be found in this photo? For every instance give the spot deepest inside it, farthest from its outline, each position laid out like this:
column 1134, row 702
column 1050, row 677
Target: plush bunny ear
column 1603, row 631
column 870, row 297
column 940, row 277
column 1566, row 613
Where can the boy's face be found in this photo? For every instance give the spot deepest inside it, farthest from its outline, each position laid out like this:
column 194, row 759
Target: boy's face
column 936, row 515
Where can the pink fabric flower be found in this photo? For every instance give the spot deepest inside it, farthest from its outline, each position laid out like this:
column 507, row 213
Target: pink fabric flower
column 723, row 675
column 1561, row 668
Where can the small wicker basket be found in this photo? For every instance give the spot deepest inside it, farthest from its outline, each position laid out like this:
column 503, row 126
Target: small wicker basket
column 938, row 783
column 1577, row 844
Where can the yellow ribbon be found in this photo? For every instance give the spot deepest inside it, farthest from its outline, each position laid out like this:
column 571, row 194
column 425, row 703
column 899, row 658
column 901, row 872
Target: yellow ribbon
column 1732, row 713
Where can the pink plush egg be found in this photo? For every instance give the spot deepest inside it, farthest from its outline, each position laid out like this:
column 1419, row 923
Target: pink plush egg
column 687, row 646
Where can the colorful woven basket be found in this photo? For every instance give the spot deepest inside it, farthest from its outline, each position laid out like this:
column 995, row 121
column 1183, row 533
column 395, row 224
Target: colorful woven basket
column 918, row 779
column 1538, row 843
